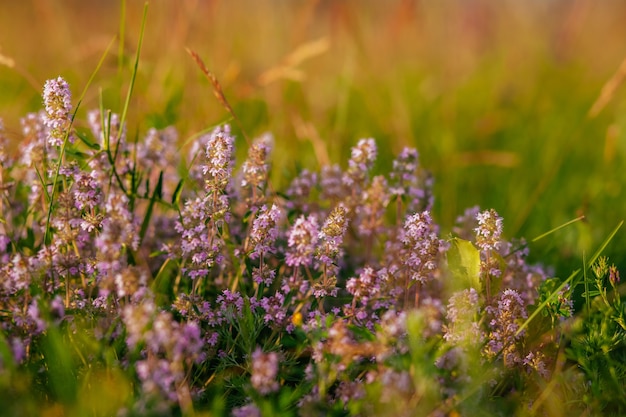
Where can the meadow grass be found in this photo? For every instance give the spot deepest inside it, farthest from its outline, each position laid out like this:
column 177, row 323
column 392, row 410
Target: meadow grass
column 495, row 98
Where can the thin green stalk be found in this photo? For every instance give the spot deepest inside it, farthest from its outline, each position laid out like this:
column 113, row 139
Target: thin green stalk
column 549, row 232
column 133, row 77
column 586, row 282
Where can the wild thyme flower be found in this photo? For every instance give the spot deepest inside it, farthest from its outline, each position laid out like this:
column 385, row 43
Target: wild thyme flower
column 255, row 169
column 66, row 219
column 300, row 189
column 331, row 236
column 199, row 242
column 371, row 211
column 158, row 149
column 302, row 241
column 263, row 275
column 349, row 391
column 86, row 190
column 229, row 307
column 35, row 154
column 30, row 320
column 466, row 224
column 331, row 183
column 409, row 183
column 17, row 275
column 264, row 371
column 248, row 410
column 157, row 155
column 361, row 161
column 517, row 274
column 328, row 251
column 422, row 246
column 536, row 362
column 119, row 230
column 275, row 312
column 168, row 347
column 131, row 282
column 393, row 324
column 489, row 230
column 34, row 132
column 503, row 338
column 58, row 104
column 137, row 318
column 219, row 156
column 158, row 378
column 264, row 231
column 365, row 286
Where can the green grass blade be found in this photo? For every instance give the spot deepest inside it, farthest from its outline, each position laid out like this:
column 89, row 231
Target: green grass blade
column 133, row 77
column 606, row 242
column 586, row 295
column 549, row 232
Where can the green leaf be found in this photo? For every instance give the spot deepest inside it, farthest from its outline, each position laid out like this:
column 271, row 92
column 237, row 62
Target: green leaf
column 464, row 264
column 176, row 195
column 85, row 139
column 156, row 194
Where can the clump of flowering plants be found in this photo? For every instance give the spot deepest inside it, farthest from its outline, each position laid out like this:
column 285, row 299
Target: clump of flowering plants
column 129, row 288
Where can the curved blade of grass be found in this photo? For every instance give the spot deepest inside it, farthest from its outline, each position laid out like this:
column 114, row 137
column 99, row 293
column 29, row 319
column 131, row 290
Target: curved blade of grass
column 569, row 279
column 133, row 76
column 549, row 232
column 598, row 252
column 67, row 134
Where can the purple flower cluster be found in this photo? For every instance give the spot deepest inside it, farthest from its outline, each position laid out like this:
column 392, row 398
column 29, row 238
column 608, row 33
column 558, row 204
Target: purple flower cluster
column 57, row 100
column 302, row 242
column 409, row 183
column 264, row 231
column 184, row 270
column 264, row 371
column 371, row 213
column 219, row 154
column 361, row 161
column 255, row 169
column 504, row 338
column 422, row 246
column 331, row 236
column 489, row 230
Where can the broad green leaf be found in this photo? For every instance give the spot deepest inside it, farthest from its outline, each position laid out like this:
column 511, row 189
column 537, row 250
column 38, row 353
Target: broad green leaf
column 464, row 264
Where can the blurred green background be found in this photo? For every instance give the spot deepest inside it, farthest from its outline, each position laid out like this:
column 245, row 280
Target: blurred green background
column 495, row 94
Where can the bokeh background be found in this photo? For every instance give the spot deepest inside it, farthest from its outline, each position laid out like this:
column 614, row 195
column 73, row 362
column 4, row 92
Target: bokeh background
column 497, row 95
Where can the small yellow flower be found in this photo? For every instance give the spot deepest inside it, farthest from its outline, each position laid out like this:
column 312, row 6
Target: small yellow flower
column 296, row 319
